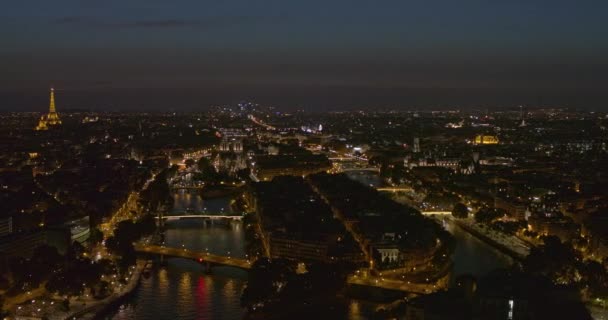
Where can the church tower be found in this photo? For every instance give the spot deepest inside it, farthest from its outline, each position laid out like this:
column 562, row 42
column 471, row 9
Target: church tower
column 523, row 120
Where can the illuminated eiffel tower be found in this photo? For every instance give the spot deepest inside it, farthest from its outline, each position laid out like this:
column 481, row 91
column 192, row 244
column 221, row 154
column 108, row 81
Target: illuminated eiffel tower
column 51, row 118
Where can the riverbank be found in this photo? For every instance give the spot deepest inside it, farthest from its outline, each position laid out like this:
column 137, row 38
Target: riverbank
column 51, row 307
column 98, row 308
column 511, row 246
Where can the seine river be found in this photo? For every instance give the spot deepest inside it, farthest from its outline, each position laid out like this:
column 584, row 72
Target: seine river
column 181, row 290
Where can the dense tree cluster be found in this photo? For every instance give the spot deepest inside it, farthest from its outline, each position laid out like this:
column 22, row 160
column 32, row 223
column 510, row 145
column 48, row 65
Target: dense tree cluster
column 27, row 274
column 377, row 213
column 78, row 274
column 440, row 200
column 95, row 187
column 509, row 227
column 460, row 211
column 29, row 205
column 158, row 194
column 395, row 173
column 273, row 285
column 208, row 173
column 253, row 242
column 69, row 274
column 564, row 265
column 127, row 232
column 487, row 215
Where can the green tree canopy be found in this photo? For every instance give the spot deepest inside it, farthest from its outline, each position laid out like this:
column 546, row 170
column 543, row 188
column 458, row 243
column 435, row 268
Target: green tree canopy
column 460, row 211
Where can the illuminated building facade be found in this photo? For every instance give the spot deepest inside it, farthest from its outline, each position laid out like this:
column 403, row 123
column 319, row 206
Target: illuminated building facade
column 51, row 118
column 485, row 139
column 231, row 145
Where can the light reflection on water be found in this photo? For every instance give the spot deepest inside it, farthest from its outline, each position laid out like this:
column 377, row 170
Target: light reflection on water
column 473, row 256
column 367, row 178
column 353, row 308
column 182, row 290
column 189, row 293
column 185, row 287
column 215, row 236
column 163, row 281
column 190, row 199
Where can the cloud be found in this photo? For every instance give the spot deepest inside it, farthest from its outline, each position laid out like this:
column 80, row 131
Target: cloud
column 170, row 23
column 211, row 22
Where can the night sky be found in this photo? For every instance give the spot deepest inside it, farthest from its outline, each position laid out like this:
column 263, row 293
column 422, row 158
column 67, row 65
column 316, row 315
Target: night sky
column 318, row 55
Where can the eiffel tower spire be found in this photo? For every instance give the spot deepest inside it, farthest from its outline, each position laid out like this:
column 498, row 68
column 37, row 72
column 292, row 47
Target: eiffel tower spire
column 50, row 119
column 52, row 104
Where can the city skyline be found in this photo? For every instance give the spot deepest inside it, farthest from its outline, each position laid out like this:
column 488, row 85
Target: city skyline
column 424, row 209
column 311, row 55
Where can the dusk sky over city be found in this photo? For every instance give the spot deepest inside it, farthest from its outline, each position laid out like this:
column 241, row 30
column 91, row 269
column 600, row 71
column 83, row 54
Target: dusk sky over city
column 305, row 53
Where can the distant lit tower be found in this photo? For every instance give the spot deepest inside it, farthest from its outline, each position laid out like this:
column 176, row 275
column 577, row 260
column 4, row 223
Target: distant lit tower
column 416, row 145
column 51, row 118
column 476, row 157
column 52, row 111
column 523, row 120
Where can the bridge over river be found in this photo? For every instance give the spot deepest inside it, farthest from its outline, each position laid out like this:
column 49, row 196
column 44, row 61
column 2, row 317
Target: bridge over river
column 200, row 215
column 202, row 257
column 209, row 260
column 356, row 169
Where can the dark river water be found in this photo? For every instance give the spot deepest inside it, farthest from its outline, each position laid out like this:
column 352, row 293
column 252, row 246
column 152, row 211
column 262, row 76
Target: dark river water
column 182, row 290
column 473, row 256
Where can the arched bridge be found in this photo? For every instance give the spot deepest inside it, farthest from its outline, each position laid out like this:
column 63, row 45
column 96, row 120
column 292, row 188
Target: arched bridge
column 212, row 259
column 205, row 215
column 202, row 257
column 395, row 189
column 438, row 213
column 186, row 187
column 370, row 169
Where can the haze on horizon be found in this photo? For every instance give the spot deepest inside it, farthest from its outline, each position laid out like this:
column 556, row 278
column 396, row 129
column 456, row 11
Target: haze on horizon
column 317, row 55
